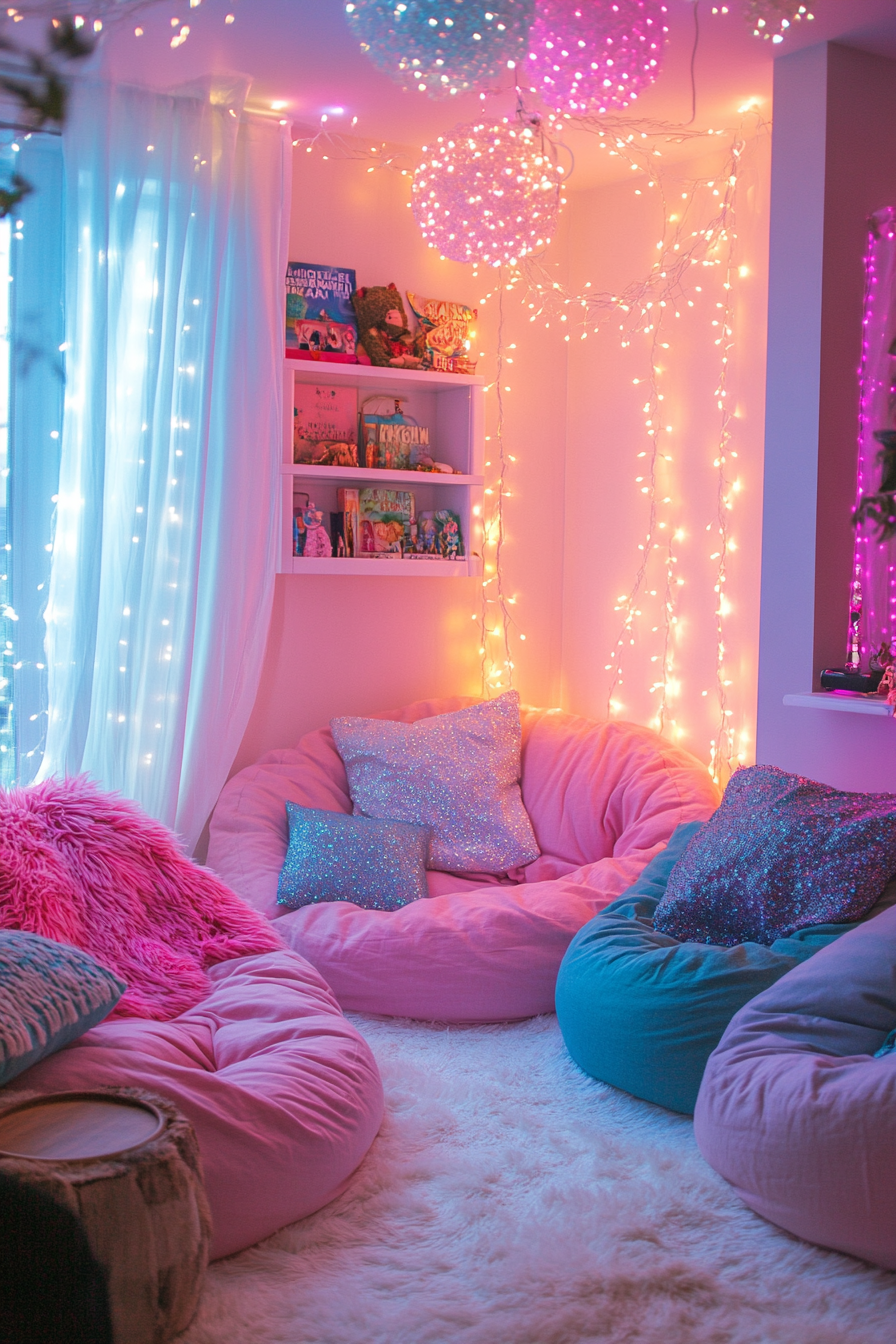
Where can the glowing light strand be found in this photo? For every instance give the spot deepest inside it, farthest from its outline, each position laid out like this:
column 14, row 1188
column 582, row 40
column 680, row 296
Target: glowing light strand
column 772, row 18
column 644, row 307
column 497, row 624
column 872, row 605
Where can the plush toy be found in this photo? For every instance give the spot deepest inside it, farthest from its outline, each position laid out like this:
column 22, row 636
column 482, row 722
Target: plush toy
column 383, row 328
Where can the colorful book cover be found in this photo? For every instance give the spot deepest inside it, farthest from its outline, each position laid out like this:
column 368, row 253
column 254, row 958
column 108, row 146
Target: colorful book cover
column 351, row 526
column 385, row 521
column 393, row 442
column 448, row 328
column 325, row 425
column 320, row 319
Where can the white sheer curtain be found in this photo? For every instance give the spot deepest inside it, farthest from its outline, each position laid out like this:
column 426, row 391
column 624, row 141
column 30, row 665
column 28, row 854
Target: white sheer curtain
column 164, row 557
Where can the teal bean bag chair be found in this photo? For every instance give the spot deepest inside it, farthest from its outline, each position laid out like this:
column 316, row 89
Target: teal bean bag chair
column 644, row 1012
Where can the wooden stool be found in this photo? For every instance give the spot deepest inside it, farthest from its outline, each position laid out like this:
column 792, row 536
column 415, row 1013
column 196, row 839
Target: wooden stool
column 126, row 1163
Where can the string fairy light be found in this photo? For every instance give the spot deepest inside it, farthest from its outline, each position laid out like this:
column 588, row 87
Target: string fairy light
column 102, row 15
column 592, row 55
column 496, row 621
column 872, row 606
column 442, row 47
column 772, row 18
column 696, row 258
column 489, row 193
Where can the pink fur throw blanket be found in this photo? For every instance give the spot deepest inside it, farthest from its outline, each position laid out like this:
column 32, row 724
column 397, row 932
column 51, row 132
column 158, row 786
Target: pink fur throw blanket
column 91, row 869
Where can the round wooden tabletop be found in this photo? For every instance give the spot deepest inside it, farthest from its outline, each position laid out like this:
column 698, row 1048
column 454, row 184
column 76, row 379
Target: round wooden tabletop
column 77, row 1127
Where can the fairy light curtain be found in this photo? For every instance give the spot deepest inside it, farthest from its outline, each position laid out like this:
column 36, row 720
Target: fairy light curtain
column 872, row 614
column 164, row 557
column 31, row 394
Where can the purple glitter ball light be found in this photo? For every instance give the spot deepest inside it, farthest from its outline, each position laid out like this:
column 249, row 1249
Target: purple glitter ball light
column 593, row 55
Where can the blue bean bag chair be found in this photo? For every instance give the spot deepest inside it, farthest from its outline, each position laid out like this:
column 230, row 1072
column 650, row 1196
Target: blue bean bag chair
column 642, row 1010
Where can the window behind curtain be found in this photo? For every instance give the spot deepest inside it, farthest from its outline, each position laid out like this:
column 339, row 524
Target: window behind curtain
column 31, row 400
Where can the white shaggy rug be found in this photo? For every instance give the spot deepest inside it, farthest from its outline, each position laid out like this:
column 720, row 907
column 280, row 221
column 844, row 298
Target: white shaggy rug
column 511, row 1200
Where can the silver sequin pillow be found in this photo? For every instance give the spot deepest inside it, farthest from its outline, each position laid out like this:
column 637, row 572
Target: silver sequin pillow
column 780, row 854
column 50, row 994
column 379, row 865
column 458, row 773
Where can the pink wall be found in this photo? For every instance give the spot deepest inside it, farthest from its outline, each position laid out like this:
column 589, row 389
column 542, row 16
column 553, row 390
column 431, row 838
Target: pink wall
column 354, row 645
column 612, row 243
column 574, row 515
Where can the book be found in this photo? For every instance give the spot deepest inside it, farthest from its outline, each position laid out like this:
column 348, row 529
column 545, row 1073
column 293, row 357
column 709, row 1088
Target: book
column 385, row 518
column 325, row 425
column 351, row 527
column 320, row 319
column 448, row 328
column 394, row 442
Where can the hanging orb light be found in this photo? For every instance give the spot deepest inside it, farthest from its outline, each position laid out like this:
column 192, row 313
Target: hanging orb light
column 772, row 18
column 489, row 193
column 593, row 55
column 442, row 47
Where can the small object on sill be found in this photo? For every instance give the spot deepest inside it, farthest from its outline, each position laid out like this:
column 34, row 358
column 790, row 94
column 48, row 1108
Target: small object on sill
column 846, row 679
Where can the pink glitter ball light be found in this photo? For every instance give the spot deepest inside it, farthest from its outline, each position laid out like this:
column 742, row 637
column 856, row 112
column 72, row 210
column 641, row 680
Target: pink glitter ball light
column 489, row 193
column 593, row 55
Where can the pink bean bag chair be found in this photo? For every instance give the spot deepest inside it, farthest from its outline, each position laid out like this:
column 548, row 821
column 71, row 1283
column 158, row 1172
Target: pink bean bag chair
column 796, row 1110
column 283, row 1093
column 603, row 799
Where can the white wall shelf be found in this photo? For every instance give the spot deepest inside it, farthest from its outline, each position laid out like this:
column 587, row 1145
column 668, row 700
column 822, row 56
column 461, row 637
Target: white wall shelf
column 424, row 567
column 850, row 702
column 372, row 377
column 411, row 480
column 452, row 406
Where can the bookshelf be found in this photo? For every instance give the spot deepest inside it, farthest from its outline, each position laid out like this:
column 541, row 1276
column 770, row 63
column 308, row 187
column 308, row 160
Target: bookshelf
column 452, row 406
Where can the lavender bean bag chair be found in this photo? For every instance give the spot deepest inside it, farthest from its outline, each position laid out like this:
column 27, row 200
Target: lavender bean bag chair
column 796, row 1110
column 603, row 798
column 283, row 1093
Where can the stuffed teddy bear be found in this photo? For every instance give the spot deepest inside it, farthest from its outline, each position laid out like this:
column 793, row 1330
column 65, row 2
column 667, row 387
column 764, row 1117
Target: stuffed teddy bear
column 383, row 328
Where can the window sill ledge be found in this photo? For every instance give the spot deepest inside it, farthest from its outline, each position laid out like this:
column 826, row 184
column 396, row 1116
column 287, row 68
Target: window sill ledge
column 850, row 702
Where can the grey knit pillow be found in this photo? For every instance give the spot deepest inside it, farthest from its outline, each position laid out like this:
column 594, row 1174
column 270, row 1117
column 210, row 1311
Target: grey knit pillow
column 50, row 994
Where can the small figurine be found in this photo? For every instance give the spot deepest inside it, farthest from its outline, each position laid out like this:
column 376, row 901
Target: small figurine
column 883, row 659
column 383, row 328
column 450, row 539
column 887, row 684
column 317, row 541
column 426, row 535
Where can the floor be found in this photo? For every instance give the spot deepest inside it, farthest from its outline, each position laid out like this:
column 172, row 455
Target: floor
column 511, row 1200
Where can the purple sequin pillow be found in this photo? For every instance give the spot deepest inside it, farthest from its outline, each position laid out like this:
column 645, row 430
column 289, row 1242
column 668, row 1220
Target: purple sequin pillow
column 457, row 773
column 781, row 853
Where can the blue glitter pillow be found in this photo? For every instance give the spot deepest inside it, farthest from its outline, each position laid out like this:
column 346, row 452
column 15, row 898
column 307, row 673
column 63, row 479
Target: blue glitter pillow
column 379, row 865
column 780, row 854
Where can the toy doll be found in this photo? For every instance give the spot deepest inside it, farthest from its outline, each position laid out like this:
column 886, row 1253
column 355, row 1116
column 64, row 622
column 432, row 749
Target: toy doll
column 317, row 541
